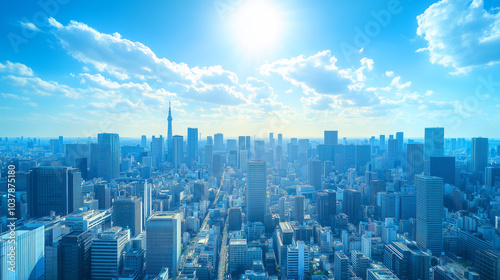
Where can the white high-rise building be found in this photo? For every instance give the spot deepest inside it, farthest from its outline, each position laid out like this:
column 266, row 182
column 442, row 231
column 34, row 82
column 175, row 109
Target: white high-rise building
column 29, row 254
column 106, row 252
column 297, row 260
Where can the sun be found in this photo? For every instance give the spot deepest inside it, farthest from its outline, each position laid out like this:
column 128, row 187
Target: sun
column 257, row 25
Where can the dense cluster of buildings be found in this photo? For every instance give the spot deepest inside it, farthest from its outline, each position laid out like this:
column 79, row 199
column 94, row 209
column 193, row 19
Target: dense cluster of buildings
column 250, row 208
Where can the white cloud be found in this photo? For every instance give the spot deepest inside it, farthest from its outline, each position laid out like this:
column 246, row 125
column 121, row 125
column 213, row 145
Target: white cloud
column 41, row 87
column 16, row 68
column 389, row 73
column 318, row 74
column 397, row 83
column 460, row 34
column 30, row 26
column 14, row 96
column 115, row 55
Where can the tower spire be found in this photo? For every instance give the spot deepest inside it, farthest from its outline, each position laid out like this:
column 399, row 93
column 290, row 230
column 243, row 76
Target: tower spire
column 169, row 119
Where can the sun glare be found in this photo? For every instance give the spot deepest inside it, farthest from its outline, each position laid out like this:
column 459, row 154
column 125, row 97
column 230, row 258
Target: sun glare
column 257, row 25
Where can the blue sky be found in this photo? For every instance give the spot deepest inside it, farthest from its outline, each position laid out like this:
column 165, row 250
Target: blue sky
column 249, row 67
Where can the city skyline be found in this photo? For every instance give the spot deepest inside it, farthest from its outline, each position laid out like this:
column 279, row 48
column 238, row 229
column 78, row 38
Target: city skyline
column 296, row 77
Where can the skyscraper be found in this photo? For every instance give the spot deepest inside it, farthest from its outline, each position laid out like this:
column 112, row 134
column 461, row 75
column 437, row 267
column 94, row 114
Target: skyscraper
column 192, row 146
column 108, row 149
column 299, row 208
column 341, row 266
column 443, row 167
column 29, row 253
column 414, row 160
column 106, row 253
column 127, row 213
column 83, row 157
column 430, row 213
column 56, row 189
column 163, row 243
column 434, row 142
column 143, row 141
column 331, row 137
column 363, row 156
column 487, row 263
column 158, row 150
column 76, row 255
column 218, row 141
column 382, row 141
column 178, row 150
column 297, row 264
column 326, row 206
column 209, row 153
column 479, row 154
column 314, row 173
column 256, row 191
column 400, row 139
column 351, row 205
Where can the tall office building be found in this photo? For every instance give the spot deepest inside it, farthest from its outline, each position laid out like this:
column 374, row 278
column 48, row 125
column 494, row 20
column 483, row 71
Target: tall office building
column 209, row 155
column 331, row 137
column 108, row 150
column 76, row 255
column 297, row 260
column 400, row 139
column 360, row 263
column 210, row 140
column 414, row 160
column 158, row 150
column 430, row 213
column 492, row 176
column 84, row 157
column 235, row 219
column 362, row 156
column 480, row 153
column 218, row 141
column 163, row 243
column 259, row 149
column 326, row 206
column 443, row 167
column 144, row 141
column 406, row 260
column 178, row 151
column 241, row 143
column 107, row 253
column 237, row 254
column 341, row 266
column 351, row 205
column 487, row 263
column 280, row 139
column 299, row 208
column 127, row 213
column 57, row 189
column 271, row 140
column 314, row 173
column 103, row 195
column 29, row 253
column 434, row 142
column 382, row 141
column 256, row 191
column 192, row 146
column 393, row 151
